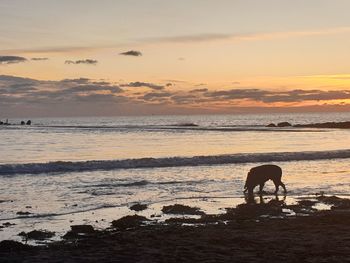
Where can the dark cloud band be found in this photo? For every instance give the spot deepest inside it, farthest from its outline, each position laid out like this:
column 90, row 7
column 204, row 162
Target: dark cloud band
column 26, row 91
column 133, row 53
column 39, row 59
column 11, row 59
column 83, row 61
column 138, row 84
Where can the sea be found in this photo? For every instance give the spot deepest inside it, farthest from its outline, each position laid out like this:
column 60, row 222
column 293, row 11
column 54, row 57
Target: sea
column 59, row 172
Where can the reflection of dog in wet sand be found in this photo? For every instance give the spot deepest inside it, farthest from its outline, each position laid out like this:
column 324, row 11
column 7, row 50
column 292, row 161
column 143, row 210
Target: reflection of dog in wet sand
column 261, row 174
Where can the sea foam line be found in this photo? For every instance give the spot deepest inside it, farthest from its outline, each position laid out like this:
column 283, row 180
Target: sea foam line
column 80, row 166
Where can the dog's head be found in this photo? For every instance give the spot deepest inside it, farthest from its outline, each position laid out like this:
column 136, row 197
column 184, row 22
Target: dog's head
column 246, row 182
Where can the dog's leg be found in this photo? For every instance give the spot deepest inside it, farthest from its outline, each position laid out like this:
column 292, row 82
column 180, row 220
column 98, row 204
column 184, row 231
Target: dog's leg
column 277, row 184
column 283, row 186
column 261, row 187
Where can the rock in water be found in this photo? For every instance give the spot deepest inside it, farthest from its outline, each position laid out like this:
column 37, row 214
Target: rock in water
column 37, row 234
column 284, row 124
column 181, row 210
column 83, row 229
column 330, row 125
column 79, row 231
column 21, row 213
column 138, row 207
column 129, row 222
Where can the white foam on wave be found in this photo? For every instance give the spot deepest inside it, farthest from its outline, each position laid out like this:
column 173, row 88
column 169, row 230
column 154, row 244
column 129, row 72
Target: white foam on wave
column 64, row 167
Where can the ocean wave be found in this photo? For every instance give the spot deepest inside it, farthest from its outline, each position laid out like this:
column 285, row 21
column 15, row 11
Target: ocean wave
column 126, row 184
column 140, row 183
column 80, row 166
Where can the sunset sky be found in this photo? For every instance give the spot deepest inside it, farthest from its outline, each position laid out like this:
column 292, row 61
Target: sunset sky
column 135, row 57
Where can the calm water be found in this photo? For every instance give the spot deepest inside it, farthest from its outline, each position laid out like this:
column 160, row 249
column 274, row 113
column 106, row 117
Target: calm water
column 166, row 136
column 196, row 160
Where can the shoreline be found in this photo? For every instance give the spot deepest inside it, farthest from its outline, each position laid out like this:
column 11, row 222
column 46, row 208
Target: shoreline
column 101, row 217
column 243, row 233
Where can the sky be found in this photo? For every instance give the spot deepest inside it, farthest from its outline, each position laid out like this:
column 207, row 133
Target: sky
column 139, row 57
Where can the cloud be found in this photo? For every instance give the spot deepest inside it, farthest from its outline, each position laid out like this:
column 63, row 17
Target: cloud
column 10, row 85
column 37, row 91
column 236, row 94
column 68, row 89
column 266, row 96
column 155, row 96
column 101, row 82
column 103, row 98
column 210, row 37
column 39, row 59
column 306, row 95
column 138, row 84
column 85, row 86
column 198, row 90
column 249, row 95
column 76, row 81
column 11, row 59
column 13, row 79
column 133, row 53
column 195, row 38
column 56, row 49
column 88, row 96
column 18, row 89
column 176, row 81
column 83, row 61
column 94, row 87
column 184, row 99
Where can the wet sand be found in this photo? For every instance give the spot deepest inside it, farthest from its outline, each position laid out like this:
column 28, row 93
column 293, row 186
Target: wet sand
column 243, row 234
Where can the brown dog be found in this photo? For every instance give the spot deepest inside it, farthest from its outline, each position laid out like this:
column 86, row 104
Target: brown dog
column 260, row 174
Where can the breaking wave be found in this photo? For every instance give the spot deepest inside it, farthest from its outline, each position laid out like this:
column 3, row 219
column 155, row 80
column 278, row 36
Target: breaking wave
column 80, row 166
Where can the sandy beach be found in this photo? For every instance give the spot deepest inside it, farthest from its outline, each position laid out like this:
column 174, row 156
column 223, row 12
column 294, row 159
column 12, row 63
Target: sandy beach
column 267, row 232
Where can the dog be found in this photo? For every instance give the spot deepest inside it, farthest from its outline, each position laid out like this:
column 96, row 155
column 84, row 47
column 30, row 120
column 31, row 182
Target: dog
column 261, row 174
